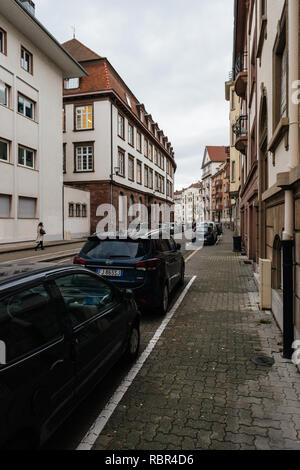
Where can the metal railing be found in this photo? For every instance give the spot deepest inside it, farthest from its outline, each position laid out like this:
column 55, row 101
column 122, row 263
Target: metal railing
column 240, row 128
column 240, row 63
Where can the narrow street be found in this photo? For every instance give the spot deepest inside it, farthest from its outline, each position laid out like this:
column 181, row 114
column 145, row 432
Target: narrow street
column 199, row 389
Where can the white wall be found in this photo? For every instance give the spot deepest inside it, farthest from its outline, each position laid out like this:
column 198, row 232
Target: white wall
column 44, row 135
column 76, row 227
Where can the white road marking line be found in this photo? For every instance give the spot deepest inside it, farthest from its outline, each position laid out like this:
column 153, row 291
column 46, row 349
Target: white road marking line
column 97, row 427
column 192, row 254
column 58, row 253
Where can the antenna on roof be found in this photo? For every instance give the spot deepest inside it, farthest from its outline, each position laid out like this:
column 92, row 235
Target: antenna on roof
column 74, row 31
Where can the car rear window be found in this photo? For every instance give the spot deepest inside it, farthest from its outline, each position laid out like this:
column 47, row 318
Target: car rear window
column 116, row 249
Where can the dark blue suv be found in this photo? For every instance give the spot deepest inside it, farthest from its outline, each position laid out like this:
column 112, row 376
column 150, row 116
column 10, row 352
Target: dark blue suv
column 151, row 266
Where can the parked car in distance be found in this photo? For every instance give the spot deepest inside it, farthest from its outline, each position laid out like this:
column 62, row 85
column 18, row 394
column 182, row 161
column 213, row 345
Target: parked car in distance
column 150, row 267
column 63, row 329
column 206, row 233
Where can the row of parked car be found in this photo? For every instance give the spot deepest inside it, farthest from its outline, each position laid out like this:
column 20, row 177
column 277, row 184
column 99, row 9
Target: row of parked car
column 63, row 327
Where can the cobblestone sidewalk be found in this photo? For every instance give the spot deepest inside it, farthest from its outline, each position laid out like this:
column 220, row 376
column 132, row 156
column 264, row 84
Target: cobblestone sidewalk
column 199, row 388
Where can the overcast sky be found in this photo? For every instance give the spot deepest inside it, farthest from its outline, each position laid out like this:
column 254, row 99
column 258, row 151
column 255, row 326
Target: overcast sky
column 174, row 55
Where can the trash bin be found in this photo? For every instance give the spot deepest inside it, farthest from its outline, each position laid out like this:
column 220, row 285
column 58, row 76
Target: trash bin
column 237, row 244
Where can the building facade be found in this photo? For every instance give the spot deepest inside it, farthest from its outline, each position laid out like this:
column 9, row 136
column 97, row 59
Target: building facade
column 32, row 66
column 221, row 200
column 213, row 157
column 112, row 146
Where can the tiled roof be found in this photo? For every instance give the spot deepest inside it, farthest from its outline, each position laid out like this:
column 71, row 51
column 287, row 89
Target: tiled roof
column 79, row 51
column 217, row 153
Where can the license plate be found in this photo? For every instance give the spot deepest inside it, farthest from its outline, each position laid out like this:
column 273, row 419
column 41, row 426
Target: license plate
column 110, row 272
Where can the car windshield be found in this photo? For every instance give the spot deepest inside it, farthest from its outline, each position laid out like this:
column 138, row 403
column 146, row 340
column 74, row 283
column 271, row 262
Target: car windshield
column 116, row 249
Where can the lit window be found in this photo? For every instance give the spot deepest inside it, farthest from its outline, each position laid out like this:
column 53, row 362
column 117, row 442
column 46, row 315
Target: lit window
column 26, row 157
column 71, row 83
column 26, row 60
column 84, row 117
column 25, row 107
column 84, row 158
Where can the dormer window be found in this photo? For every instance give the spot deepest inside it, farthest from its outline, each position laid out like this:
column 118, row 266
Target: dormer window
column 128, row 100
column 71, row 83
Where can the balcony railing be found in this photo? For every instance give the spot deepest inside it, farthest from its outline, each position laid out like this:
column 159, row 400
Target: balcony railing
column 240, row 128
column 240, row 63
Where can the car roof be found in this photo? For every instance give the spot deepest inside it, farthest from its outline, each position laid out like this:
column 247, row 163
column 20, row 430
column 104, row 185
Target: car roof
column 16, row 273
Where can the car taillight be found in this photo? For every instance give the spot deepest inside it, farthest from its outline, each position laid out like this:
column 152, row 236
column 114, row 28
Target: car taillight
column 147, row 265
column 78, row 260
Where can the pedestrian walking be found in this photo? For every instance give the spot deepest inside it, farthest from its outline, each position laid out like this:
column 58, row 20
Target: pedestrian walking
column 40, row 236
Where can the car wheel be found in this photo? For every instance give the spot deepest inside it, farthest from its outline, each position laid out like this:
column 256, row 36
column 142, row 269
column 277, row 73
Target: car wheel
column 182, row 274
column 164, row 303
column 133, row 344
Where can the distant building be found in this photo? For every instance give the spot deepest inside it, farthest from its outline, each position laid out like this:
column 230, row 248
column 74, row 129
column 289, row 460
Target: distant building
column 113, row 147
column 189, row 204
column 213, row 157
column 32, row 66
column 221, row 201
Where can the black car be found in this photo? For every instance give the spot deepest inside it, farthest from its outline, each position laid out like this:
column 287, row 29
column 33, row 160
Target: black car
column 151, row 265
column 206, row 233
column 61, row 330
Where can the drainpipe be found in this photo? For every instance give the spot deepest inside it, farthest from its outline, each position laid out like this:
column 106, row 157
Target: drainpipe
column 288, row 234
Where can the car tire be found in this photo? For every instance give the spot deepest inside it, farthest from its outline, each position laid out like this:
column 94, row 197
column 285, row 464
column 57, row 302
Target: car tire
column 133, row 343
column 164, row 302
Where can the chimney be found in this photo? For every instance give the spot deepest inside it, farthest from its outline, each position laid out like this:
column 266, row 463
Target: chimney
column 29, row 5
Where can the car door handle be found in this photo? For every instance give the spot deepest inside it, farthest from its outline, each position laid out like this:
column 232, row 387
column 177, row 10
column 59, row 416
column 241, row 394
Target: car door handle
column 57, row 363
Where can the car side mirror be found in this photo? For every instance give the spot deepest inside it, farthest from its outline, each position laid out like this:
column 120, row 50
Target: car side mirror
column 178, row 246
column 128, row 294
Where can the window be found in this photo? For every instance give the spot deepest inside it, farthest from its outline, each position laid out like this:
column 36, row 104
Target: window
column 84, row 296
column 5, row 206
column 78, row 210
column 280, row 74
column 146, row 147
column 84, row 160
column 26, row 60
column 64, row 118
column 139, row 141
column 162, row 162
column 121, row 162
column 71, row 83
column 64, row 158
column 84, row 210
column 130, row 168
column 283, row 78
column 156, row 182
column 71, row 209
column 155, row 156
column 121, row 132
column 84, row 117
column 25, row 107
column 29, row 321
column 139, row 172
column 27, row 208
column 130, row 135
column 151, row 152
column 2, row 41
column 146, row 176
column 233, row 172
column 128, row 100
column 4, row 150
column 26, row 157
column 4, row 94
column 150, row 178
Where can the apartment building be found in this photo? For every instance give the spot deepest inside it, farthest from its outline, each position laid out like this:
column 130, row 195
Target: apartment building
column 32, row 66
column 245, row 129
column 235, row 155
column 112, row 145
column 221, row 200
column 267, row 80
column 212, row 158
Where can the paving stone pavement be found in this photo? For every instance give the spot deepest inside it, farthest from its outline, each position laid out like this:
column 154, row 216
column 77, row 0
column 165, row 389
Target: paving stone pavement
column 199, row 388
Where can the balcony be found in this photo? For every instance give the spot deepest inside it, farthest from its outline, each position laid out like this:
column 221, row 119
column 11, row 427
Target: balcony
column 219, row 207
column 219, row 195
column 240, row 129
column 241, row 75
column 219, row 183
